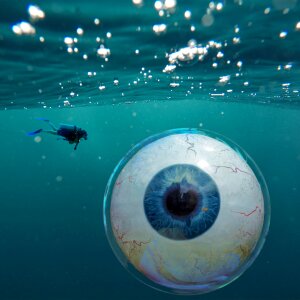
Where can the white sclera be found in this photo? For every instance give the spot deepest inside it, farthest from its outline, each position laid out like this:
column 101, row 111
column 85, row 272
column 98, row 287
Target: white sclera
column 216, row 257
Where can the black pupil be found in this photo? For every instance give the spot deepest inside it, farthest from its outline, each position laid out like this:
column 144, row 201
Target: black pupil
column 180, row 203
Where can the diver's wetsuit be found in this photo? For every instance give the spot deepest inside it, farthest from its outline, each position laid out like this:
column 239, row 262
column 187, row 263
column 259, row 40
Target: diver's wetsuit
column 71, row 133
column 68, row 132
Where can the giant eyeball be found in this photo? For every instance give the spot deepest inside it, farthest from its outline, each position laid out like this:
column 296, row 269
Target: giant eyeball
column 186, row 211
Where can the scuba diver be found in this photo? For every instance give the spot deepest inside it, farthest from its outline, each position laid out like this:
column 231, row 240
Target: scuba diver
column 69, row 133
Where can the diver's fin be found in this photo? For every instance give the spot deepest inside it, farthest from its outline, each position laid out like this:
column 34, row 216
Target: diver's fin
column 42, row 119
column 34, row 132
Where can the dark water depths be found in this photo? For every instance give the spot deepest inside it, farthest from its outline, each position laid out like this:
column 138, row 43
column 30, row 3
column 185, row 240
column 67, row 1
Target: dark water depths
column 52, row 240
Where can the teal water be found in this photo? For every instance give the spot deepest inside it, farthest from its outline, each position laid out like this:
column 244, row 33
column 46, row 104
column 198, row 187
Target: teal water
column 52, row 239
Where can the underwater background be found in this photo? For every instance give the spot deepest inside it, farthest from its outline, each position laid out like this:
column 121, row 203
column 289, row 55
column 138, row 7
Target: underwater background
column 124, row 70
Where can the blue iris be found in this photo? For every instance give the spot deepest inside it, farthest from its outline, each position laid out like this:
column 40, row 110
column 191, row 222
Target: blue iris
column 181, row 202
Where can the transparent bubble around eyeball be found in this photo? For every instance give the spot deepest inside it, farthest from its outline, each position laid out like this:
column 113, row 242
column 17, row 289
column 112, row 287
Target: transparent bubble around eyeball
column 150, row 235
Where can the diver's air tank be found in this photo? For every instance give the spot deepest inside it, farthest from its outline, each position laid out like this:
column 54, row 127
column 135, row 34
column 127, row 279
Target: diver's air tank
column 67, row 126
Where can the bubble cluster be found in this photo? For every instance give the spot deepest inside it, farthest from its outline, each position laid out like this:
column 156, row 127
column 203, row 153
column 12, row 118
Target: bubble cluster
column 23, row 28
